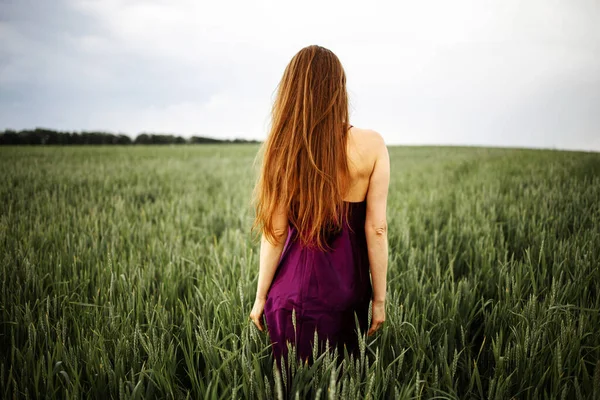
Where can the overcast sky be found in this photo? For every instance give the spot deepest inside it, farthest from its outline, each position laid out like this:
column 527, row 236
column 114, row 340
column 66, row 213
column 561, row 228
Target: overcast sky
column 504, row 73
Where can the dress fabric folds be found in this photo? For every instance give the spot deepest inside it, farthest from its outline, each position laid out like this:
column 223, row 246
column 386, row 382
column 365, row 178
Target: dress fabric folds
column 325, row 290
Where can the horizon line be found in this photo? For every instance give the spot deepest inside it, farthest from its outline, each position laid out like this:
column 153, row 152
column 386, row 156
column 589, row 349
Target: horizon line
column 232, row 138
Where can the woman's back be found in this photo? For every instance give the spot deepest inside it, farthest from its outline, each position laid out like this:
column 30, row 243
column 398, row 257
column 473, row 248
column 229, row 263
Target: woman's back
column 325, row 289
column 315, row 258
column 361, row 149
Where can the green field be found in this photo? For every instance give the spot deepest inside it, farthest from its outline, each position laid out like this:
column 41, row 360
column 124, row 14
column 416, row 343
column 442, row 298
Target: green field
column 130, row 272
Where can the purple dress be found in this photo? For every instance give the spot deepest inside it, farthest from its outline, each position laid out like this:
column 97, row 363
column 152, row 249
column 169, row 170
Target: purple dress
column 326, row 289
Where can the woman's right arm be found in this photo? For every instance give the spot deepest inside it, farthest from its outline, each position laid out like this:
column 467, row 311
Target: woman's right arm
column 376, row 229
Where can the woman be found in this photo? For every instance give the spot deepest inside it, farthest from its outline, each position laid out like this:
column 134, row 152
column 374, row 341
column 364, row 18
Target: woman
column 321, row 208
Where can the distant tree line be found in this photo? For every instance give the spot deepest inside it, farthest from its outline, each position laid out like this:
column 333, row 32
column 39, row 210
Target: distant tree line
column 41, row 136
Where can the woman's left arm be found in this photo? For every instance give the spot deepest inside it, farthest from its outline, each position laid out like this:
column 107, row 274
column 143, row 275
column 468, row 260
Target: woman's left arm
column 270, row 254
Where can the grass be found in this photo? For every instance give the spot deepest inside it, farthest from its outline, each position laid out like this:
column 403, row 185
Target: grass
column 129, row 272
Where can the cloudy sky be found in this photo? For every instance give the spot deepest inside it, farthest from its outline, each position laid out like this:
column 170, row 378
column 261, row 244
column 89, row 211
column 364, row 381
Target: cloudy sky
column 496, row 73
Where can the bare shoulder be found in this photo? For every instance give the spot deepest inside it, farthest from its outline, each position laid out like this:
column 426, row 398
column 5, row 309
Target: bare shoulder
column 368, row 142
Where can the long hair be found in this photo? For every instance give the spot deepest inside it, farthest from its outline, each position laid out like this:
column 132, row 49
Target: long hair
column 304, row 159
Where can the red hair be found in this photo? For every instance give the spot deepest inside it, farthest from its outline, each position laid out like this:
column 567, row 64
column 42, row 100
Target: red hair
column 304, row 163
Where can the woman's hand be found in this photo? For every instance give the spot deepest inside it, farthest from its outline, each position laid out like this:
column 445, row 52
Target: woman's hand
column 377, row 317
column 257, row 312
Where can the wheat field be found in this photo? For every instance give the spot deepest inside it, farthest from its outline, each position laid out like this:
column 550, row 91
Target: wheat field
column 130, row 272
